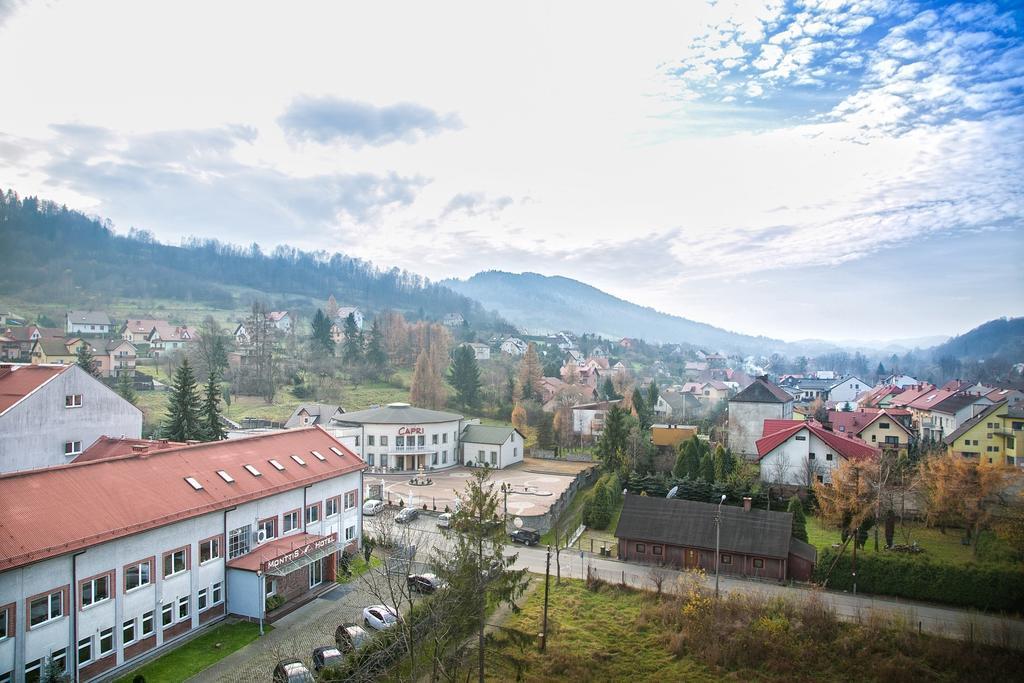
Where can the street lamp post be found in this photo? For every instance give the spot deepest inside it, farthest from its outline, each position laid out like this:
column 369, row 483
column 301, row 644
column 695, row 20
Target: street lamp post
column 263, row 597
column 718, row 540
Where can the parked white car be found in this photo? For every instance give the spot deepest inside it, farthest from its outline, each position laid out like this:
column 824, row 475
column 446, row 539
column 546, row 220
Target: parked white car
column 380, row 617
column 444, row 521
column 372, row 507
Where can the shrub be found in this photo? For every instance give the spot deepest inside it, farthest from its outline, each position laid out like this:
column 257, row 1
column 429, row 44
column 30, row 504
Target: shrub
column 987, row 587
column 273, row 602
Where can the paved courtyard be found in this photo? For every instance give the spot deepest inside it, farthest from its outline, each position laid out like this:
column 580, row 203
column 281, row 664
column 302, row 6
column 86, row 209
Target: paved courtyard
column 533, row 492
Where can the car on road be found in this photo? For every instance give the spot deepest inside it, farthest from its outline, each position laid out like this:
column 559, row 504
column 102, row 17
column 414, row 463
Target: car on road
column 292, row 671
column 444, row 521
column 373, row 507
column 351, row 637
column 406, row 515
column 426, row 583
column 380, row 617
column 526, row 536
column 324, row 657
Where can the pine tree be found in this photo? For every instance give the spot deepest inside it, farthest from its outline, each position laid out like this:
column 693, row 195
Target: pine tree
column 322, row 332
column 723, row 463
column 707, row 467
column 464, row 375
column 546, row 432
column 799, row 521
column 641, row 409
column 652, row 397
column 352, row 346
column 126, row 388
column 530, row 374
column 85, row 360
column 376, row 358
column 608, row 390
column 183, row 423
column 613, row 438
column 681, row 468
column 692, row 450
column 212, row 427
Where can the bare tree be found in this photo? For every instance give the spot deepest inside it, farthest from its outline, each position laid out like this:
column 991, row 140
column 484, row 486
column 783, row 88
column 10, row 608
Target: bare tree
column 657, row 576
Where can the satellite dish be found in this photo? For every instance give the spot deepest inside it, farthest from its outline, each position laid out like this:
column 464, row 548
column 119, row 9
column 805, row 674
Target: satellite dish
column 518, row 522
column 672, row 492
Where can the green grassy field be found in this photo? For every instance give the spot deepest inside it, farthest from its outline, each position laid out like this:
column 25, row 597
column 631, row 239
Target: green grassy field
column 197, row 654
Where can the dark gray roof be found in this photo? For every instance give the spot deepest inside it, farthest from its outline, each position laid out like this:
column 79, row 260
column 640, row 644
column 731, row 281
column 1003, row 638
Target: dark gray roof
column 959, row 431
column 955, row 402
column 398, row 413
column 689, row 523
column 803, row 550
column 762, row 391
column 89, row 317
column 486, row 434
column 320, row 412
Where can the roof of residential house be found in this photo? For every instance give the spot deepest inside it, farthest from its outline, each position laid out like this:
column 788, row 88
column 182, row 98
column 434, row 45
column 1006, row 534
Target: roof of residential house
column 856, row 421
column 345, row 311
column 18, row 381
column 276, row 316
column 25, row 333
column 762, row 391
column 322, row 413
column 100, row 499
column 773, row 426
column 112, row 344
column 849, row 448
column 951, row 404
column 398, row 413
column 88, row 318
column 108, row 447
column 1014, row 411
column 143, row 327
column 486, row 434
column 969, row 424
column 692, row 524
column 53, row 347
column 911, row 394
column 169, row 332
column 929, row 399
column 599, row 405
column 873, row 396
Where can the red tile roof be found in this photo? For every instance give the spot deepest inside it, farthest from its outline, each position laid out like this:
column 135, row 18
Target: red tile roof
column 851, row 449
column 854, row 422
column 18, row 381
column 772, row 426
column 108, row 447
column 102, row 500
column 911, row 394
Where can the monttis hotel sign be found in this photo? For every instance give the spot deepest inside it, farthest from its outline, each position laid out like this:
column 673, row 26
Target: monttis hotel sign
column 311, row 547
column 403, row 431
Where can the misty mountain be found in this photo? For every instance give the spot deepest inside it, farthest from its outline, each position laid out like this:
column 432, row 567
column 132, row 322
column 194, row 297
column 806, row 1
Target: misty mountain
column 55, row 254
column 541, row 303
column 1001, row 337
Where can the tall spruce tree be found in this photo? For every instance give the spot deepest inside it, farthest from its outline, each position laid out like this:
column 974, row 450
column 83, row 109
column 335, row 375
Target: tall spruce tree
column 352, row 346
column 376, row 358
column 643, row 411
column 85, row 360
column 608, row 390
column 183, row 419
column 213, row 428
column 126, row 388
column 613, row 438
column 322, row 332
column 652, row 396
column 464, row 375
column 799, row 521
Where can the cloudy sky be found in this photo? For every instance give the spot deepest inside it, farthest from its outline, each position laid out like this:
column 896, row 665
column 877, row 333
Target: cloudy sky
column 815, row 168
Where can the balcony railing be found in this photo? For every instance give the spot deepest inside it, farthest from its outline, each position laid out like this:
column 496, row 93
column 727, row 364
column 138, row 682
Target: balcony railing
column 409, row 450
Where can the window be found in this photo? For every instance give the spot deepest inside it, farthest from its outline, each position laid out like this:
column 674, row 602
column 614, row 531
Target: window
column 515, row 452
column 183, row 604
column 291, row 521
column 400, row 442
column 726, row 559
column 641, row 548
column 174, row 562
column 316, row 573
column 313, row 514
column 800, row 438
column 46, row 608
column 73, row 401
column 369, row 440
column 350, row 533
column 277, row 466
column 5, row 677
column 59, row 659
column 444, row 457
column 444, row 438
column 226, row 477
column 883, row 425
column 480, row 456
column 494, row 457
column 299, row 460
column 828, row 456
column 84, row 651
column 128, row 632
column 758, row 563
column 383, row 459
column 433, row 439
column 269, row 527
column 202, row 598
column 72, row 447
column 136, row 575
column 6, row 621
column 252, row 470
column 656, row 549
column 369, row 459
column 209, row 550
column 351, row 499
column 238, row 541
column 331, row 506
column 320, row 457
column 193, row 483
column 810, row 456
column 892, row 440
column 146, row 625
column 167, row 615
column 873, row 438
column 95, row 590
column 433, row 458
column 32, row 670
column 217, row 593
column 383, row 440
column 106, row 641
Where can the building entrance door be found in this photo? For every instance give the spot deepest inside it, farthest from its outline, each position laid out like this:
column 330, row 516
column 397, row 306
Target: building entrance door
column 690, row 558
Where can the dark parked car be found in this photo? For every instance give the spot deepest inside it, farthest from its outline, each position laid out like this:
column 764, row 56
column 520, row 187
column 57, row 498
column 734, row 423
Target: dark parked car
column 526, row 536
column 324, row 657
column 351, row 637
column 425, row 583
column 292, row 671
column 406, row 515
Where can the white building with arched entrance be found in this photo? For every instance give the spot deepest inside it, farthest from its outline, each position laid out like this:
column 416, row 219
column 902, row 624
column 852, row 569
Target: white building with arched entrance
column 398, row 437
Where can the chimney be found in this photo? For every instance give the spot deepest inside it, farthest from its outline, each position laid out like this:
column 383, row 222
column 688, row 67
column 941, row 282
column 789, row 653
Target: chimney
column 163, row 443
column 140, row 448
column 747, row 500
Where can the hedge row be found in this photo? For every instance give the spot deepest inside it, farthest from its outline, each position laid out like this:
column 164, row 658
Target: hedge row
column 987, row 587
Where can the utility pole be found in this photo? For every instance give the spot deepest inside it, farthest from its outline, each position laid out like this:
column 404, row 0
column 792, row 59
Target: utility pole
column 718, row 539
column 544, row 628
column 856, row 535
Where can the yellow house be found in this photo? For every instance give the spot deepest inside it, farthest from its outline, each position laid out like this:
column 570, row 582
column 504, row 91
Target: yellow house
column 56, row 351
column 995, row 436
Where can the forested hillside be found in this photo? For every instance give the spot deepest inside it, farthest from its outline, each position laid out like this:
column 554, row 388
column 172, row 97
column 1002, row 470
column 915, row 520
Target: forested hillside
column 52, row 253
column 1001, row 337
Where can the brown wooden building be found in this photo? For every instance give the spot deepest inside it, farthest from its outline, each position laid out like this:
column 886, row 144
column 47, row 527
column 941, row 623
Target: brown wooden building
column 681, row 533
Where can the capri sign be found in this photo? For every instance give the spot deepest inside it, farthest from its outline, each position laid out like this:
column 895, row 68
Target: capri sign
column 402, row 431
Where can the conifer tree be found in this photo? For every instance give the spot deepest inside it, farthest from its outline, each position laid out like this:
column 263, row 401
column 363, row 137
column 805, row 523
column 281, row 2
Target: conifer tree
column 352, row 346
column 723, row 463
column 530, row 374
column 331, row 309
column 707, row 467
column 126, row 388
column 608, row 390
column 212, row 427
column 799, row 521
column 464, row 375
column 652, row 396
column 376, row 358
column 546, row 432
column 85, row 360
column 322, row 332
column 183, row 423
column 642, row 410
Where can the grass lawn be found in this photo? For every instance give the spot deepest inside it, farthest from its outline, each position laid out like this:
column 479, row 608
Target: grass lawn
column 359, row 566
column 570, row 520
column 946, row 548
column 197, row 654
column 593, row 636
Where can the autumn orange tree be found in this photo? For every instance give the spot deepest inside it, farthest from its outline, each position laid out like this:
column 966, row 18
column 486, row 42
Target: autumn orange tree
column 427, row 389
column 530, row 374
column 848, row 502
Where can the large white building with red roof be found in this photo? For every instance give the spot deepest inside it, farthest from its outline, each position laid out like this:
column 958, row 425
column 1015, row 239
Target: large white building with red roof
column 104, row 561
column 799, row 452
column 49, row 414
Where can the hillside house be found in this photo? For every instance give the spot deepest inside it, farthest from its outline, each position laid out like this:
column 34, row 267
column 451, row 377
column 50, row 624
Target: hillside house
column 344, row 312
column 800, row 452
column 309, row 414
column 280, row 320
column 996, row 435
column 480, row 351
column 884, row 429
column 166, row 338
column 748, row 410
column 118, row 357
column 513, row 346
column 588, row 419
column 92, row 323
column 453, row 320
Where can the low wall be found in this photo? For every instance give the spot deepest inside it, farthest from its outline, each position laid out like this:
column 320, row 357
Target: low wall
column 544, row 522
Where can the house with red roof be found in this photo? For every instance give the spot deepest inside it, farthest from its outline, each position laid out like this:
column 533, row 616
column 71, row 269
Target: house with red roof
column 748, row 410
column 802, row 452
column 885, row 429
